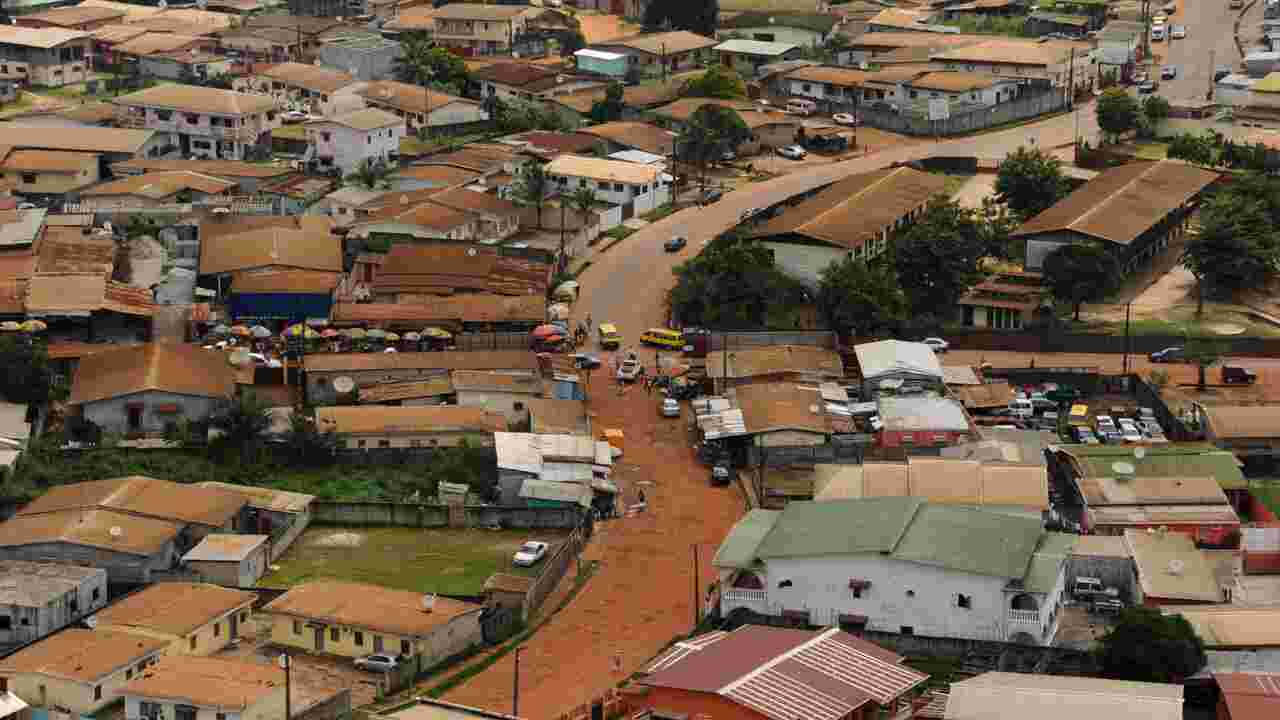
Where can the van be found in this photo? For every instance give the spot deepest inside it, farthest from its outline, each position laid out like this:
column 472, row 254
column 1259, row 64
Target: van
column 1091, row 587
column 1021, row 408
column 801, row 107
column 609, row 337
column 663, row 337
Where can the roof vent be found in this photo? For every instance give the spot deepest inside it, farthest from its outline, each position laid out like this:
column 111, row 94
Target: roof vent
column 428, row 602
column 116, row 531
column 1176, row 567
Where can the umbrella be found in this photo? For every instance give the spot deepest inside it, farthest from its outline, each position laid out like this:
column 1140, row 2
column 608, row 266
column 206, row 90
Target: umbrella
column 392, row 337
column 389, row 350
column 544, row 332
column 329, row 333
column 438, row 333
column 220, row 329
column 33, row 326
column 412, row 336
column 354, row 333
column 10, row 326
column 240, row 330
column 376, row 334
column 296, row 331
column 259, row 332
column 311, row 334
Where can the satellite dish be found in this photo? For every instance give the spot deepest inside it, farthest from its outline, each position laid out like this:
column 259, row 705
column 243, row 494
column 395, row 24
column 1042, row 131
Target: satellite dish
column 344, row 384
column 1176, row 567
column 162, row 5
column 1122, row 467
column 108, row 227
column 428, row 602
column 1139, row 452
column 116, row 531
column 91, row 622
column 471, row 252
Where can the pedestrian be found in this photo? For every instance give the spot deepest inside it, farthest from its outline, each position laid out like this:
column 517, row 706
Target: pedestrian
column 648, row 386
column 642, row 495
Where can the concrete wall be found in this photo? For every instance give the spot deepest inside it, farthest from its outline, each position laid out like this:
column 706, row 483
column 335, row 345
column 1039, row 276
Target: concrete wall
column 112, row 414
column 515, row 406
column 244, row 573
column 447, row 639
column 423, row 441
column 381, row 514
column 120, row 567
column 29, row 623
column 54, row 183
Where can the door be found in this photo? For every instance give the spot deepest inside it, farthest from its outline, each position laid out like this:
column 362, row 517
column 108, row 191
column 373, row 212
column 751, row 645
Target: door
column 377, row 643
column 235, row 625
column 319, row 639
column 135, row 418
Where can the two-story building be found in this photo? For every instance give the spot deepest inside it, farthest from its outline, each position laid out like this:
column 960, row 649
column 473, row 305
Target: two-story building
column 898, row 565
column 746, row 56
column 322, row 90
column 1047, row 63
column 472, row 29
column 49, row 56
column 527, row 81
column 207, row 123
column 348, row 140
column 664, row 53
column 421, row 107
column 635, row 188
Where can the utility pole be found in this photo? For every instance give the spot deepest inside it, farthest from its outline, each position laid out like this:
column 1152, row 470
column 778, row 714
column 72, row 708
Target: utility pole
column 1146, row 31
column 697, row 600
column 1212, row 73
column 562, row 262
column 286, row 666
column 1127, row 308
column 1071, row 81
column 515, row 685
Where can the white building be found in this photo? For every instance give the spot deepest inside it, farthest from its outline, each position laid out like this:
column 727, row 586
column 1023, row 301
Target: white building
column 206, row 123
column 422, row 108
column 345, row 141
column 966, row 90
column 636, row 189
column 898, row 565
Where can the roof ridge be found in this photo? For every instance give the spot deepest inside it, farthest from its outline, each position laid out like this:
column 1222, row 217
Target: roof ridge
column 768, row 665
column 1110, row 197
column 851, row 198
column 915, row 512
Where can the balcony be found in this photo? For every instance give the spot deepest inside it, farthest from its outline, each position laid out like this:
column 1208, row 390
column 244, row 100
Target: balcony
column 754, row 600
column 1024, row 621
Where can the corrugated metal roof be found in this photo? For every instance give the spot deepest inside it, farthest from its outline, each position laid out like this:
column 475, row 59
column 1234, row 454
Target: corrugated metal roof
column 895, row 357
column 739, row 547
column 755, row 47
column 224, row 547
column 1017, row 696
column 1170, row 567
column 549, row 490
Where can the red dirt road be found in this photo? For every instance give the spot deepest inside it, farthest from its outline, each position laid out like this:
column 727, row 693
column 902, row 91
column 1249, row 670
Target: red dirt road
column 641, row 594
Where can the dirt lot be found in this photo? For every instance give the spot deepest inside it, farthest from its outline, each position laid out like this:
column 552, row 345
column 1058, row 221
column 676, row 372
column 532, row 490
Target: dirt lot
column 640, row 597
column 451, row 562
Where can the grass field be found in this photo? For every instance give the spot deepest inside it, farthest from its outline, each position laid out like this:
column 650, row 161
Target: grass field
column 449, row 562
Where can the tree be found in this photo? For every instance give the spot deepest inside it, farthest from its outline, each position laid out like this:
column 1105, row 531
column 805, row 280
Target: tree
column 1080, row 272
column 583, row 201
column 1204, row 353
column 1155, row 109
column 711, row 131
column 1237, row 246
column 425, row 65
column 940, row 255
column 26, row 376
column 610, row 108
column 517, row 115
column 734, row 284
column 1149, row 646
column 1117, row 112
column 697, row 16
column 242, row 421
column 717, row 82
column 1196, row 149
column 1030, row 181
column 533, row 187
column 859, row 298
column 996, row 229
column 370, row 174
column 306, row 443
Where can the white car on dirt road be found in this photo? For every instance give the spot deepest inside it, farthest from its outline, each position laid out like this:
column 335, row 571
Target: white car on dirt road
column 530, row 553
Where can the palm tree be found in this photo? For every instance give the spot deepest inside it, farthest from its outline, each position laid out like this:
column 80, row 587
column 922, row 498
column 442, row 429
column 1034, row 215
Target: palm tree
column 583, row 200
column 534, row 187
column 369, row 174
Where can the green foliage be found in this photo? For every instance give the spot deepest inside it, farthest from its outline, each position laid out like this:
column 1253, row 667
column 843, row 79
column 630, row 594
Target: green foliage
column 1014, row 26
column 425, row 65
column 370, row 174
column 997, row 227
column 859, row 298
column 734, row 284
column 307, row 444
column 610, row 108
column 1080, row 272
column 515, row 115
column 1158, row 379
column 1149, row 646
column 697, row 16
column 26, row 376
column 1196, row 149
column 583, row 201
column 711, row 130
column 717, row 82
column 1030, row 181
column 1117, row 112
column 1238, row 246
column 533, row 187
column 939, row 254
column 241, row 423
column 1203, row 353
column 1155, row 109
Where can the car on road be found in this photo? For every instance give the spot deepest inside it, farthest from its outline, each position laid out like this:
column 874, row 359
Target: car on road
column 377, row 663
column 585, row 361
column 629, row 370
column 676, row 243
column 1168, row 72
column 1140, row 77
column 1169, row 354
column 530, row 553
column 749, row 213
column 1148, row 87
column 711, row 196
column 1084, row 436
column 670, row 408
column 793, row 152
column 1157, row 33
column 728, row 156
column 1220, row 72
column 936, row 344
column 1178, row 32
column 844, row 119
column 1129, row 431
column 1235, row 4
column 1236, row 374
column 610, row 339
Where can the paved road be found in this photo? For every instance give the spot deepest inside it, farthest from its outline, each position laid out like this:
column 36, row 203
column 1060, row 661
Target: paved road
column 627, row 284
column 1209, row 43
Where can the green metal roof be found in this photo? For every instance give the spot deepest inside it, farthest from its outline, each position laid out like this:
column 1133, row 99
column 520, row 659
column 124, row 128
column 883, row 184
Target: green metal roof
column 1048, row 559
column 1180, row 460
column 817, row 22
column 739, row 548
column 1270, row 83
column 840, row 527
column 970, row 540
column 1061, row 19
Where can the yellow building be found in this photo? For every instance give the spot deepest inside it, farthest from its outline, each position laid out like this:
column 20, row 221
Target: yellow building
column 210, row 688
column 354, row 620
column 189, row 618
column 78, row 671
column 50, row 172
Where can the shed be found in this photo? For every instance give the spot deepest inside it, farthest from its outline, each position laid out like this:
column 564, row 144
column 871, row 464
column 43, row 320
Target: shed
column 231, row 560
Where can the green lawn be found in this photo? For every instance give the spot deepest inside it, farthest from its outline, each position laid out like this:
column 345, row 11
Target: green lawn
column 289, row 132
column 445, row 561
column 1152, row 150
column 1267, row 491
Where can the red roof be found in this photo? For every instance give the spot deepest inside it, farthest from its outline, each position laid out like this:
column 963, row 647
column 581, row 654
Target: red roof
column 1250, row 696
column 784, row 673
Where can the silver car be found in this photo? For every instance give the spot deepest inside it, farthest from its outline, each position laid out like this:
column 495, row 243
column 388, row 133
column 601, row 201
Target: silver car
column 377, row 663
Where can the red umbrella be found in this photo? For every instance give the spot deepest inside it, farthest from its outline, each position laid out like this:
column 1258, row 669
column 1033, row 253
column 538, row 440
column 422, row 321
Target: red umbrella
column 543, row 332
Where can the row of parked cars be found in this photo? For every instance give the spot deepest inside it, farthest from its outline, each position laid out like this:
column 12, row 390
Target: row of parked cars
column 1115, row 429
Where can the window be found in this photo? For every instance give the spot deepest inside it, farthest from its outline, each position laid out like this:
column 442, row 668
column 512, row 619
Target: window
column 360, row 443
column 164, row 115
column 97, row 692
column 368, row 139
column 244, row 615
column 191, row 118
column 415, row 443
column 25, row 621
column 377, row 643
column 193, row 642
column 911, row 593
column 404, row 647
column 28, row 177
column 384, row 443
column 297, row 627
column 617, row 187
column 517, row 406
column 359, row 638
column 128, row 674
column 220, row 716
column 334, row 634
column 149, row 709
column 217, row 629
column 784, row 584
column 964, row 601
column 907, row 630
column 142, row 666
column 184, row 712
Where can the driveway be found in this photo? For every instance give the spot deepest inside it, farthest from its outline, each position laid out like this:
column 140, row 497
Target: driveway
column 1209, row 43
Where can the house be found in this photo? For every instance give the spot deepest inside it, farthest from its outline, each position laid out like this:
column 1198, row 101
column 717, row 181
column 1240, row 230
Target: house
column 148, row 388
column 1047, row 22
column 527, row 81
column 242, row 243
column 48, row 56
column 48, row 173
column 20, row 232
column 1046, row 63
column 897, row 565
column 230, row 560
column 247, row 176
column 1006, row 300
column 349, row 140
column 473, row 30
column 436, row 390
column 1120, row 47
column 1173, row 571
column 78, row 671
column 427, row 709
column 1006, row 696
column 1226, row 628
column 154, row 190
column 911, row 20
column 1193, row 505
column 1247, row 696
column 207, row 687
column 836, row 88
column 1250, row 432
column 875, row 47
column 774, row 424
column 368, row 370
column 1076, row 464
column 1155, row 199
column 637, row 189
column 663, row 53
column 630, row 135
column 460, row 214
column 536, row 468
column 113, row 144
column 420, row 428
column 367, row 57
column 853, row 218
column 897, row 361
column 937, row 480
column 204, row 122
column 263, row 44
column 915, row 424
column 180, row 65
column 806, row 29
column 963, row 91
column 151, row 44
column 275, row 295
column 746, row 56
column 321, row 90
column 559, row 417
column 423, row 108
column 71, row 18
column 505, row 393
column 189, row 618
column 354, row 619
column 409, row 272
column 279, row 513
column 138, row 545
column 113, row 310
column 107, row 37
column 769, row 129
column 40, row 598
column 757, row 671
column 802, row 363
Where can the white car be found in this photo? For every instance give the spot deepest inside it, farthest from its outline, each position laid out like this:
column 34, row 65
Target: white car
column 793, row 152
column 629, row 370
column 377, row 663
column 1129, row 431
column 844, row 119
column 1178, row 32
column 748, row 214
column 937, row 344
column 294, row 116
column 530, row 553
column 670, row 408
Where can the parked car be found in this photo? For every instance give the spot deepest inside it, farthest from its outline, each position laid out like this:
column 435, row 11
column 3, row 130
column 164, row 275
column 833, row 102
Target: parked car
column 670, row 408
column 1157, row 33
column 1064, row 395
column 293, row 116
column 530, row 553
column 1147, row 87
column 585, row 361
column 793, row 152
column 1021, row 408
column 1178, row 32
column 1129, row 431
column 1168, row 72
column 720, row 474
column 675, row 244
column 749, row 213
column 629, row 370
column 711, row 196
column 844, row 119
column 937, row 344
column 1085, row 436
column 1232, row 374
column 1088, row 588
column 1169, row 354
column 377, row 663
